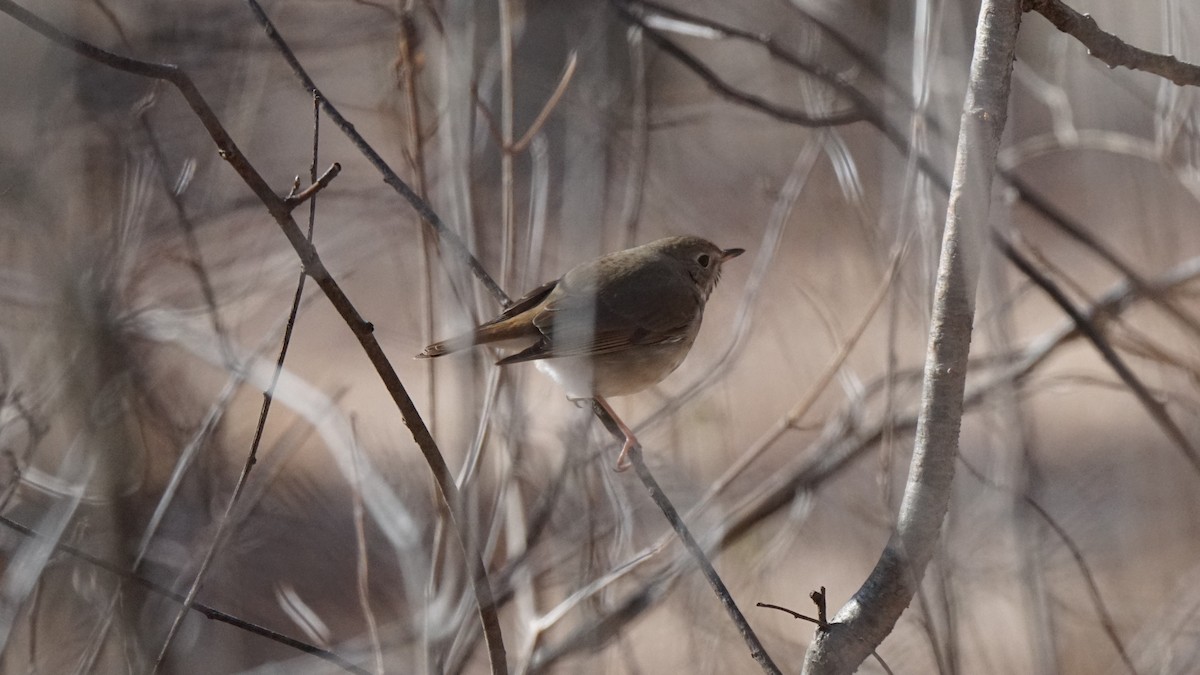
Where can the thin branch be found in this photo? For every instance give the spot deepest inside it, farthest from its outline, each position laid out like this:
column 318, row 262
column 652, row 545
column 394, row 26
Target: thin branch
column 795, row 615
column 710, row 573
column 1089, row 330
column 551, row 103
column 315, row 268
column 1072, row 229
column 1109, row 48
column 291, row 202
column 720, row 86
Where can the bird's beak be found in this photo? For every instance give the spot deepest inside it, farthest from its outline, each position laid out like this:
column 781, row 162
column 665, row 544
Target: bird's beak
column 730, row 253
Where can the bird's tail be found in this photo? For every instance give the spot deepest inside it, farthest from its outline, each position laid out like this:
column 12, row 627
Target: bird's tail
column 446, row 346
column 496, row 331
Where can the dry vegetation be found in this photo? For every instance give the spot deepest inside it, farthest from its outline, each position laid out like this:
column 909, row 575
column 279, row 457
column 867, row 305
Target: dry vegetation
column 146, row 292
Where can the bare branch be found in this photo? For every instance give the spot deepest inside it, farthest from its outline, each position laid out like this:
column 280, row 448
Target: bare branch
column 208, row 612
column 869, row 616
column 710, row 573
column 295, row 198
column 1109, row 48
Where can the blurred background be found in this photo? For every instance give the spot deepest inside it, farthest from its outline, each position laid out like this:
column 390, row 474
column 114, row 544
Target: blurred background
column 146, row 291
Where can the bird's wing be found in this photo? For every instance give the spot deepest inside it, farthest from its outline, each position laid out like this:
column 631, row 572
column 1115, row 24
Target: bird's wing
column 600, row 308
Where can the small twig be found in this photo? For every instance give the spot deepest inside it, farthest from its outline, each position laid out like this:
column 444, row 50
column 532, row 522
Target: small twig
column 498, row 135
column 1074, row 230
column 362, row 567
column 1109, row 48
column 821, row 621
column 818, row 598
column 268, row 394
column 295, row 199
column 364, row 331
column 795, row 614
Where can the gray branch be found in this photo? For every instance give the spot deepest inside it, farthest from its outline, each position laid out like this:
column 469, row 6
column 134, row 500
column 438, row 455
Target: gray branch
column 862, row 624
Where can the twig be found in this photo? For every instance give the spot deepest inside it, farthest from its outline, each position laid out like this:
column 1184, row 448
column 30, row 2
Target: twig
column 508, row 234
column 1060, row 220
column 795, row 615
column 415, row 152
column 552, row 102
column 295, row 199
column 362, row 567
column 1086, row 327
column 499, row 132
column 818, row 597
column 1109, row 48
column 364, row 331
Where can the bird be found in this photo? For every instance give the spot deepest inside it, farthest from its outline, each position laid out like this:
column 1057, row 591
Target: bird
column 612, row 326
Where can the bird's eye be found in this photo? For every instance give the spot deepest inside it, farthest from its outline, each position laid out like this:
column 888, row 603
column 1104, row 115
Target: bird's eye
column 704, row 260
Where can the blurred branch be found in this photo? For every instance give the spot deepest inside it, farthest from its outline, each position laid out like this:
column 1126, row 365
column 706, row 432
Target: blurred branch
column 1079, row 234
column 1089, row 580
column 315, row 268
column 205, row 610
column 1089, row 330
column 635, row 13
column 869, row 616
column 293, row 200
column 1109, row 48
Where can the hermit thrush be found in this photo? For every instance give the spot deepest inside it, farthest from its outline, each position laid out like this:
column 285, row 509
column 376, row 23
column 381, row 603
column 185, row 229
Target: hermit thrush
column 612, row 326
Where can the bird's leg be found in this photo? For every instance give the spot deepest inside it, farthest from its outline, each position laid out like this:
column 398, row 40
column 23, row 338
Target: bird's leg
column 631, row 441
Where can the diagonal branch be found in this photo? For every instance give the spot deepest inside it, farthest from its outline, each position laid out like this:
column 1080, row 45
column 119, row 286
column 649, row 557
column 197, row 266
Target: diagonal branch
column 1088, row 329
column 1109, row 48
